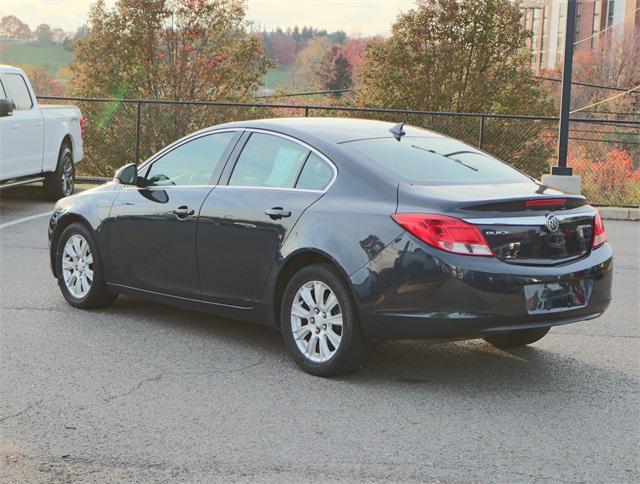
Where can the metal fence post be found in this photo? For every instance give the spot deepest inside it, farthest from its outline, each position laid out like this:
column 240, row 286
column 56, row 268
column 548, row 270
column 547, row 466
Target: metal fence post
column 306, row 111
column 481, row 134
column 565, row 99
column 138, row 112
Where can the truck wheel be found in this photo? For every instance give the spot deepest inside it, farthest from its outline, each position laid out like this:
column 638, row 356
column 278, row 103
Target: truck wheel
column 60, row 183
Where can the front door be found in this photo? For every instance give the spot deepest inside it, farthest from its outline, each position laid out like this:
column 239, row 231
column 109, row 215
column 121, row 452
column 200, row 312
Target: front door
column 242, row 225
column 152, row 227
column 22, row 133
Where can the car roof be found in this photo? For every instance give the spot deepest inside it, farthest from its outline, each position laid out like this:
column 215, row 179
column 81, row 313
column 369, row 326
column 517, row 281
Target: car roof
column 11, row 69
column 336, row 130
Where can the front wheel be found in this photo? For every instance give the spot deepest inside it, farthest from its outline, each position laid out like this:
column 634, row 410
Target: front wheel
column 80, row 275
column 516, row 339
column 61, row 182
column 319, row 323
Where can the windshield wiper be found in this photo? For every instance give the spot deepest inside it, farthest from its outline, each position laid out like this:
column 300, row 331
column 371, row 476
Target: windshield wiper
column 448, row 156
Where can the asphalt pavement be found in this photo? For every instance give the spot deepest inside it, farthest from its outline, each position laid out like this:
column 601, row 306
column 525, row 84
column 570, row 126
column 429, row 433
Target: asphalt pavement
column 144, row 392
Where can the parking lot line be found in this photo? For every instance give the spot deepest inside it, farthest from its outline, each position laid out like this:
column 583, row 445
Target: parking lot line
column 24, row 219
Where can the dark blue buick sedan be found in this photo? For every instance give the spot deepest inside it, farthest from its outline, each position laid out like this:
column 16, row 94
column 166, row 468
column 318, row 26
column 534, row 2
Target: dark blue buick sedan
column 337, row 232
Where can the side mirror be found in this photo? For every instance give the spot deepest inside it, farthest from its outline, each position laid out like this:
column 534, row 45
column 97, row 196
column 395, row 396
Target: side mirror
column 6, row 108
column 127, row 175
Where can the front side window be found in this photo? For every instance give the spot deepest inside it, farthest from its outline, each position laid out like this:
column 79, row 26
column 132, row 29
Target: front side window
column 424, row 161
column 316, row 174
column 19, row 91
column 192, row 163
column 269, row 161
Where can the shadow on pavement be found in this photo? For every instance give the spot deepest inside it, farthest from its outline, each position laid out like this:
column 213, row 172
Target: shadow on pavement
column 467, row 367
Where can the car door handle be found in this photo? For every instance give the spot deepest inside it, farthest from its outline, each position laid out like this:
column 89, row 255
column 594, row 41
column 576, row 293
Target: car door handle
column 277, row 213
column 183, row 212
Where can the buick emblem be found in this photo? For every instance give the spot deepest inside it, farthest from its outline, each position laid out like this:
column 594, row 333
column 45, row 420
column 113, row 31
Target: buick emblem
column 553, row 224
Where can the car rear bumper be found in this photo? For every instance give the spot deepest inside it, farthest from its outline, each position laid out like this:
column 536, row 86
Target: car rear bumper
column 413, row 291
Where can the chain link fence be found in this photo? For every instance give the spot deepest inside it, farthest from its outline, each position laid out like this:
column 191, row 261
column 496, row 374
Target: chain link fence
column 606, row 153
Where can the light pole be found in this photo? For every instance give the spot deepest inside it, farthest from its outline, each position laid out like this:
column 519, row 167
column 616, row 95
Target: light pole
column 565, row 102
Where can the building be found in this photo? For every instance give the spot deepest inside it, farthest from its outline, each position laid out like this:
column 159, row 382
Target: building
column 546, row 19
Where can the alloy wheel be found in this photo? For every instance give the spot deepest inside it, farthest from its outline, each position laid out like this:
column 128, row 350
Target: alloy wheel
column 77, row 266
column 316, row 321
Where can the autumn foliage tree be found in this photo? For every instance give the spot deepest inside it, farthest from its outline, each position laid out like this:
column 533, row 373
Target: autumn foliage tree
column 164, row 50
column 335, row 71
column 610, row 181
column 43, row 83
column 43, row 34
column 308, row 61
column 450, row 55
column 11, row 27
column 354, row 50
column 464, row 56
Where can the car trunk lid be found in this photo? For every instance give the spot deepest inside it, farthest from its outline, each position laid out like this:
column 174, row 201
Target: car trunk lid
column 523, row 223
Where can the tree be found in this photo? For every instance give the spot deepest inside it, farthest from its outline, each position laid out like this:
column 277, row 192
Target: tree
column 335, row 71
column 82, row 32
column 354, row 50
column 164, row 49
column 308, row 62
column 454, row 55
column 12, row 27
column 43, row 34
column 616, row 62
column 611, row 181
column 282, row 49
column 460, row 55
column 43, row 83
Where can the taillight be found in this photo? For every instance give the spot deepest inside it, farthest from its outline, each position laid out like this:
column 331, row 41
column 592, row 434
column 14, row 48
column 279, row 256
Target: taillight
column 83, row 124
column 446, row 233
column 599, row 235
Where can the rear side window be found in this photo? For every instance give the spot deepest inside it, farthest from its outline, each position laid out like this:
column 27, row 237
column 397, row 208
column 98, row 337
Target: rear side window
column 19, row 91
column 3, row 93
column 316, row 174
column 424, row 161
column 269, row 161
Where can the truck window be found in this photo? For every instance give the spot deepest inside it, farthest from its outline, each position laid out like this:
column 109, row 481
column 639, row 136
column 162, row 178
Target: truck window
column 19, row 91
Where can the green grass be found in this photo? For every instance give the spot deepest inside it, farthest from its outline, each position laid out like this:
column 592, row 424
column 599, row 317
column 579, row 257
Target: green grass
column 49, row 57
column 279, row 77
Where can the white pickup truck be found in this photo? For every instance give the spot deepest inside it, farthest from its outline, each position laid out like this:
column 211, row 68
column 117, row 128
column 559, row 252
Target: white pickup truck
column 37, row 143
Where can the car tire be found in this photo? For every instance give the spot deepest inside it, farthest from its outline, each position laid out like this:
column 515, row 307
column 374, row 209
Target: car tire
column 79, row 270
column 310, row 317
column 61, row 182
column 516, row 339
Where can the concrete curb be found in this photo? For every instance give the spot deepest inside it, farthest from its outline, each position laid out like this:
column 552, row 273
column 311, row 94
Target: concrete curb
column 619, row 213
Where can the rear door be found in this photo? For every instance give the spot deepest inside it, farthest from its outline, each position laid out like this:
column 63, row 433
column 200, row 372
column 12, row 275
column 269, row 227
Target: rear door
column 22, row 133
column 243, row 224
column 152, row 228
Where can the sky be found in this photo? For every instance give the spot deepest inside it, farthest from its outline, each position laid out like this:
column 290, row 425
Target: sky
column 356, row 17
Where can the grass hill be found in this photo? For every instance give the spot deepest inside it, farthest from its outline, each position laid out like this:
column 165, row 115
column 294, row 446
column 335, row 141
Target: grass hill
column 54, row 57
column 20, row 53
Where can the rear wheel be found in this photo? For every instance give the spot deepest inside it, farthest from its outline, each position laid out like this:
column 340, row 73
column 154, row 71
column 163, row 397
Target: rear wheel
column 61, row 182
column 515, row 339
column 319, row 323
column 80, row 275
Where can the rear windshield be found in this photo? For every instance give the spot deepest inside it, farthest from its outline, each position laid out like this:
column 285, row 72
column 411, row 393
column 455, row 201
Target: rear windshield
column 424, row 161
